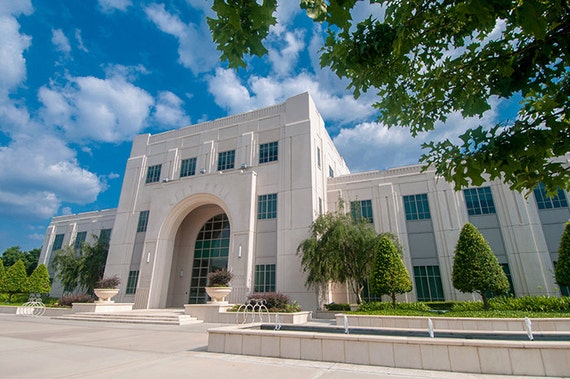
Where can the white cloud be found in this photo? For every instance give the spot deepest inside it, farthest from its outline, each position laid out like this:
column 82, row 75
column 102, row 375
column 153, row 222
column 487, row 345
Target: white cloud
column 169, row 111
column 79, row 40
column 36, row 174
column 373, row 146
column 196, row 50
column 12, row 47
column 60, row 41
column 93, row 109
column 284, row 56
column 15, row 8
column 231, row 94
column 109, row 6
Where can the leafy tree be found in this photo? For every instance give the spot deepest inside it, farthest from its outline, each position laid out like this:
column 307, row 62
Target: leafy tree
column 340, row 249
column 2, row 269
column 428, row 59
column 67, row 266
column 83, row 268
column 562, row 271
column 475, row 266
column 39, row 280
column 15, row 280
column 93, row 260
column 390, row 276
column 12, row 255
column 30, row 258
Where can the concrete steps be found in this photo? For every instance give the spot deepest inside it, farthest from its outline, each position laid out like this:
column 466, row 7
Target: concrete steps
column 157, row 317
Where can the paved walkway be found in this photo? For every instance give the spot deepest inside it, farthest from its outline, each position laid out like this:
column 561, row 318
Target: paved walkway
column 49, row 348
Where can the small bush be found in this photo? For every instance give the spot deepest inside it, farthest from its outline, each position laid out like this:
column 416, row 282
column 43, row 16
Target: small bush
column 275, row 302
column 337, row 307
column 384, row 306
column 108, row 282
column 220, row 278
column 67, row 301
column 440, row 305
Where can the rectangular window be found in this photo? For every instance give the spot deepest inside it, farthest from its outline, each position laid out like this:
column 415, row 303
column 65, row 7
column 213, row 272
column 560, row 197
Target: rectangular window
column 226, row 160
column 362, row 210
column 143, row 221
column 105, row 235
column 428, row 283
column 318, row 157
column 417, row 207
column 153, row 173
column 132, row 282
column 545, row 202
column 267, row 206
column 188, row 167
column 479, row 201
column 331, row 172
column 79, row 240
column 57, row 242
column 264, row 278
column 268, row 152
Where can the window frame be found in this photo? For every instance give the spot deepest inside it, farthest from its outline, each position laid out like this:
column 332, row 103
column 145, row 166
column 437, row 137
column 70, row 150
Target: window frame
column 269, row 152
column 479, row 201
column 188, row 167
column 226, row 160
column 142, row 224
column 545, row 202
column 416, row 207
column 364, row 207
column 267, row 206
column 153, row 173
column 265, row 278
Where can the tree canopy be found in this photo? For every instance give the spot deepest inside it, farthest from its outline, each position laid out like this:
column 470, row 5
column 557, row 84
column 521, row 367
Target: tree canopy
column 340, row 249
column 475, row 266
column 429, row 59
column 562, row 270
column 390, row 276
column 83, row 268
column 14, row 280
column 30, row 258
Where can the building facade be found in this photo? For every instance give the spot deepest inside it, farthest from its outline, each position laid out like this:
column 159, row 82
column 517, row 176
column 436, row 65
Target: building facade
column 241, row 192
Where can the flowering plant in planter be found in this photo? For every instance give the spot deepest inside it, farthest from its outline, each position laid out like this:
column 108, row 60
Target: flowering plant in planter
column 220, row 278
column 108, row 282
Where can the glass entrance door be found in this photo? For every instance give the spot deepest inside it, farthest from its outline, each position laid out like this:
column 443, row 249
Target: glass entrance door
column 210, row 254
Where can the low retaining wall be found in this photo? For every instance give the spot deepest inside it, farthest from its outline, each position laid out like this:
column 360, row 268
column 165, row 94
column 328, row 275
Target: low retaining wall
column 49, row 311
column 217, row 313
column 444, row 354
column 101, row 307
column 449, row 323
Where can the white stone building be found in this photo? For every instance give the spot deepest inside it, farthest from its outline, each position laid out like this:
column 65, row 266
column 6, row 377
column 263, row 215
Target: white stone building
column 241, row 192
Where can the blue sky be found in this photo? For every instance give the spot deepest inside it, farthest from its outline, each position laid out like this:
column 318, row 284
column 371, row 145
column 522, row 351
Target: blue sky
column 80, row 78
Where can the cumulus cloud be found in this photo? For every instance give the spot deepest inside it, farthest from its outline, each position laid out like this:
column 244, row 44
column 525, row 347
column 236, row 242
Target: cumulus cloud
column 233, row 95
column 60, row 41
column 94, row 109
column 12, row 47
column 196, row 50
column 373, row 146
column 169, row 111
column 109, row 6
column 52, row 173
column 284, row 55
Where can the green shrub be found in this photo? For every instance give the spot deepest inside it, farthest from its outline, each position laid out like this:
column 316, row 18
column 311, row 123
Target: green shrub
column 275, row 302
column 467, row 306
column 337, row 307
column 383, row 306
column 67, row 301
column 440, row 305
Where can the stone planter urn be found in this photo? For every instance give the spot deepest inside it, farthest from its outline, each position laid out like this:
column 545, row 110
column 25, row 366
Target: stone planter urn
column 105, row 294
column 218, row 294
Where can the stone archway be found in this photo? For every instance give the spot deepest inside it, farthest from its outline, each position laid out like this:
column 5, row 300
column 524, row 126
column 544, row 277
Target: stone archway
column 201, row 245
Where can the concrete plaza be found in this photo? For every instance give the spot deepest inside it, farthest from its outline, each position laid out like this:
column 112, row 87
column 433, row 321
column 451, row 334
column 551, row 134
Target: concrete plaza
column 51, row 348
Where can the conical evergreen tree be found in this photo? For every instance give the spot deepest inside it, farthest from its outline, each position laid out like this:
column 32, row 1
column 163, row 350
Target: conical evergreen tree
column 390, row 276
column 475, row 266
column 2, row 270
column 562, row 272
column 39, row 280
column 15, row 280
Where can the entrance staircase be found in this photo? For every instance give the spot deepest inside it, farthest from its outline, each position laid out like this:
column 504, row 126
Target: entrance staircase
column 138, row 316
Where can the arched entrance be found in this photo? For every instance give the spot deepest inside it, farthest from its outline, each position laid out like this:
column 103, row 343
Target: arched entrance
column 210, row 254
column 201, row 245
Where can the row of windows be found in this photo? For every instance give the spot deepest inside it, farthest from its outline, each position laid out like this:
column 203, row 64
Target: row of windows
column 268, row 152
column 80, row 238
